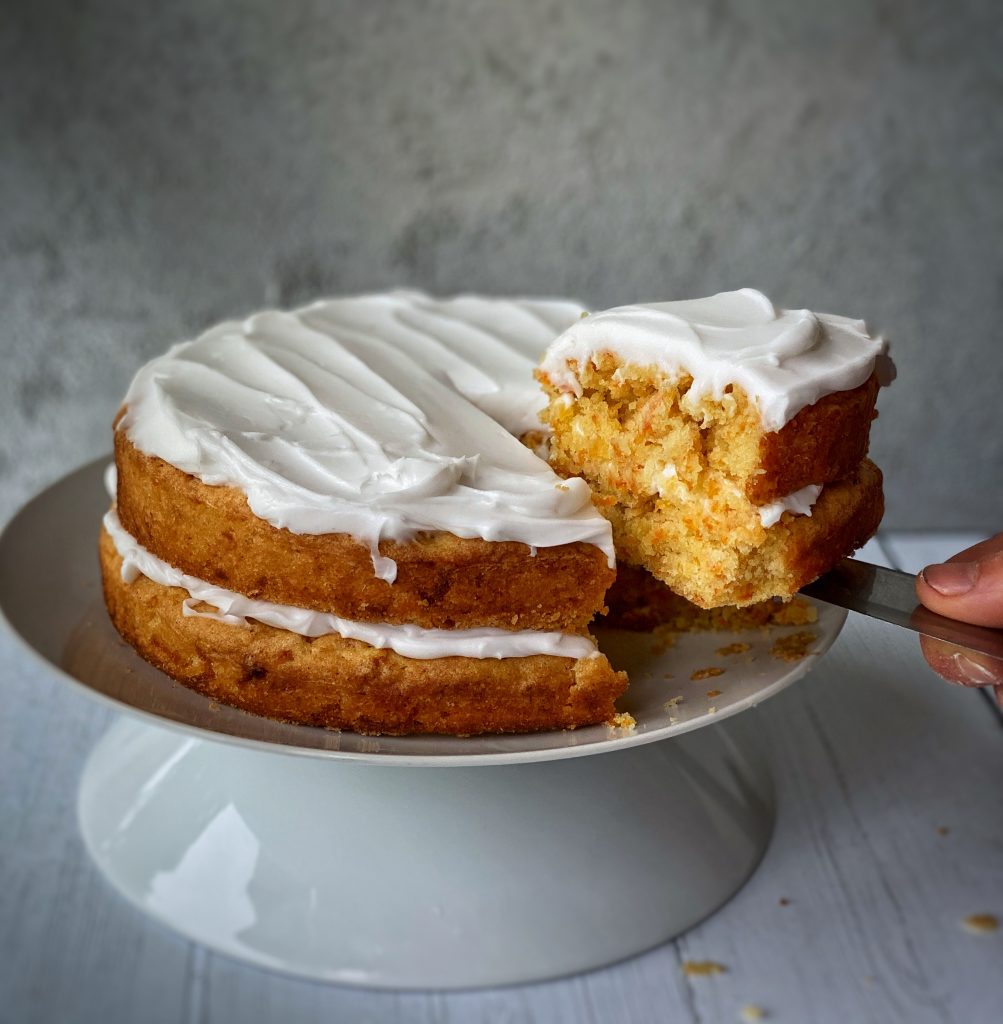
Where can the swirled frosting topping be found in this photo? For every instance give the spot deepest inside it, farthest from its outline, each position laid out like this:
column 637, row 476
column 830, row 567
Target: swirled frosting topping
column 784, row 359
column 378, row 416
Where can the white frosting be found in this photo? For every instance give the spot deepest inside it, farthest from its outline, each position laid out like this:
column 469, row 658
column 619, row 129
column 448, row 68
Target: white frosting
column 784, row 360
column 377, row 416
column 799, row 502
column 409, row 641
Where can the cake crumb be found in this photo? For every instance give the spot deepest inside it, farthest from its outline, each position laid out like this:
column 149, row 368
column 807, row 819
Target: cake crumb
column 702, row 968
column 942, row 830
column 706, row 673
column 981, row 924
column 730, row 649
column 713, row 693
column 797, row 612
column 662, row 638
column 622, row 720
column 673, row 702
column 751, row 1013
column 784, row 901
column 712, row 710
column 793, row 647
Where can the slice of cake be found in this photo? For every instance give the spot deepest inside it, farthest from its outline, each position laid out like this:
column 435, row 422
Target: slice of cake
column 328, row 517
column 725, row 440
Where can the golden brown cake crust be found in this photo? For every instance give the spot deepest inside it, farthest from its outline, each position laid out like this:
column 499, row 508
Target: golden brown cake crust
column 338, row 683
column 443, row 581
column 823, row 442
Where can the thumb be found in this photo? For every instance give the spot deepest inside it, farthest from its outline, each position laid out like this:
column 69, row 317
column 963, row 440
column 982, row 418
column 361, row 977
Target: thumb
column 969, row 586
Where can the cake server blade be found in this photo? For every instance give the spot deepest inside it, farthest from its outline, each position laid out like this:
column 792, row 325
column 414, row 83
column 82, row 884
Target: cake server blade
column 891, row 596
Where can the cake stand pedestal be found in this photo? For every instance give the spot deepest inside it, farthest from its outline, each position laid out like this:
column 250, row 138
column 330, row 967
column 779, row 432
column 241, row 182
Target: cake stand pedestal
column 416, row 861
column 432, row 877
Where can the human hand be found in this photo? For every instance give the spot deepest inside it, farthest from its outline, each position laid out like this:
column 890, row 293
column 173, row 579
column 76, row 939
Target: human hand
column 968, row 587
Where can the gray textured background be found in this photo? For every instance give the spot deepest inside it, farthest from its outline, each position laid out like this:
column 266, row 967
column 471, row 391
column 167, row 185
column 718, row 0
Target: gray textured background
column 166, row 165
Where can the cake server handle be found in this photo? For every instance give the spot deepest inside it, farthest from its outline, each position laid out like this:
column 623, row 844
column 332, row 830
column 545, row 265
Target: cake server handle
column 890, row 595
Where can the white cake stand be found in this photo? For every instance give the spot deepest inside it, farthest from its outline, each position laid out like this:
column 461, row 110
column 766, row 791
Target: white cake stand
column 417, row 862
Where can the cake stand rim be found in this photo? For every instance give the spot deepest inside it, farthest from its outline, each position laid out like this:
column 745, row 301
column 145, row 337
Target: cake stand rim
column 616, row 740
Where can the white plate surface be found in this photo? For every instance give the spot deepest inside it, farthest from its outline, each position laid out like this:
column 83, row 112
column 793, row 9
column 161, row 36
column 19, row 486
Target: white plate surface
column 50, row 596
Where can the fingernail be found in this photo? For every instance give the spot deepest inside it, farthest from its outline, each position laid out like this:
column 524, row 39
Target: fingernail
column 970, row 670
column 951, row 579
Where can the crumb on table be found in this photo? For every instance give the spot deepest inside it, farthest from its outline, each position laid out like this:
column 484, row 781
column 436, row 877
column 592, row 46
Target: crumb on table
column 751, row 1013
column 793, row 647
column 981, row 924
column 702, row 968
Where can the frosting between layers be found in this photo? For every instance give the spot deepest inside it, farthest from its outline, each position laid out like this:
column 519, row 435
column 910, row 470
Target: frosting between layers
column 784, row 359
column 799, row 502
column 408, row 641
column 378, row 416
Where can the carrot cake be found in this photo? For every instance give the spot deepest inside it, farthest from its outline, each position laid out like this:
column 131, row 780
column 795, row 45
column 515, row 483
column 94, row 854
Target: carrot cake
column 724, row 439
column 327, row 516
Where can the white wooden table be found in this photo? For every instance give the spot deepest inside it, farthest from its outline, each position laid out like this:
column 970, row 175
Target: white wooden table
column 890, row 833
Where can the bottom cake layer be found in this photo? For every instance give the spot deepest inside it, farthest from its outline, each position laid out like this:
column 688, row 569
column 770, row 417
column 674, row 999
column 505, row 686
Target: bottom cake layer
column 339, row 683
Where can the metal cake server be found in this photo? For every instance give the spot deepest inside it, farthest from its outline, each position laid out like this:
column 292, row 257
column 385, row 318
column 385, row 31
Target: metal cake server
column 891, row 596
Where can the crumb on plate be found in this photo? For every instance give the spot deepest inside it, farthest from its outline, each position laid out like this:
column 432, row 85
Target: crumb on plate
column 793, row 647
column 622, row 720
column 730, row 649
column 706, row 673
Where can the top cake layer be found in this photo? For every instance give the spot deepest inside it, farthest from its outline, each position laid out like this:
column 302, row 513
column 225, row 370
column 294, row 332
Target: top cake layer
column 784, row 360
column 379, row 417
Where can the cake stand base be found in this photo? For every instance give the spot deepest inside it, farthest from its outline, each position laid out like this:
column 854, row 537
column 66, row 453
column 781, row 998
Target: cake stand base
column 430, row 877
